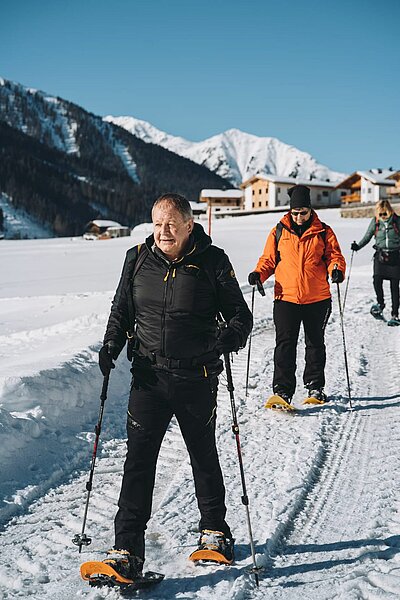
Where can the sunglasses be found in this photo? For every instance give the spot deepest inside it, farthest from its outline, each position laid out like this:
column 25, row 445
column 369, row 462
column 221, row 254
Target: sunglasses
column 383, row 214
column 296, row 213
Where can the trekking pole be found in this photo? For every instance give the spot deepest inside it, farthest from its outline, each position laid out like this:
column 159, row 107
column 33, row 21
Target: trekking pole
column 344, row 345
column 235, row 429
column 82, row 539
column 262, row 292
column 260, row 288
column 348, row 279
column 249, row 350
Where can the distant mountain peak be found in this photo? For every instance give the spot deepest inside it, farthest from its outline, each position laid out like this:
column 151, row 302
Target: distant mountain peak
column 234, row 154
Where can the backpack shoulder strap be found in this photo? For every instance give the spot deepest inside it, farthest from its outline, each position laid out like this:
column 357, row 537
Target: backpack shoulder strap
column 323, row 233
column 279, row 228
column 395, row 220
column 278, row 235
column 142, row 253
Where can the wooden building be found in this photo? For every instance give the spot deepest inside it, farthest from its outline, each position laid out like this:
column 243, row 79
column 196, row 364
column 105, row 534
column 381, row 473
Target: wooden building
column 223, row 200
column 394, row 191
column 100, row 229
column 263, row 192
column 366, row 186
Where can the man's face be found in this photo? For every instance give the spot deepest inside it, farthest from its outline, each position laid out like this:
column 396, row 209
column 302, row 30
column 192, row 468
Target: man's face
column 171, row 232
column 300, row 215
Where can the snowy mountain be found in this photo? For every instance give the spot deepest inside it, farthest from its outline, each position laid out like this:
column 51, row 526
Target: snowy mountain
column 234, row 154
column 323, row 484
column 65, row 166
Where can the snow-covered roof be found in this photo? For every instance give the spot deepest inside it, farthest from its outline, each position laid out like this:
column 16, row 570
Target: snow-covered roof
column 104, row 223
column 197, row 205
column 291, row 180
column 377, row 178
column 221, row 194
column 373, row 175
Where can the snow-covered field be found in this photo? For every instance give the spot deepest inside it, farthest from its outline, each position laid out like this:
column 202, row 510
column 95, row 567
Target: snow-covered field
column 323, row 484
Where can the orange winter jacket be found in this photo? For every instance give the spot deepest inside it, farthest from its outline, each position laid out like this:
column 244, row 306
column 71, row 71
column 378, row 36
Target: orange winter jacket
column 301, row 265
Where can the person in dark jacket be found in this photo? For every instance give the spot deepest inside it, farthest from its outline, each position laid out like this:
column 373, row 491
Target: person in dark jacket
column 170, row 292
column 385, row 227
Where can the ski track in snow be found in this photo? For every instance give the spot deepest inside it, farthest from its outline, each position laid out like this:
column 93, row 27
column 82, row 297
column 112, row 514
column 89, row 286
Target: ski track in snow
column 325, row 525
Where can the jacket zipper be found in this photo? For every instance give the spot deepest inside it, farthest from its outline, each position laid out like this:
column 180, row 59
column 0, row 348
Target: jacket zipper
column 164, row 310
column 169, row 280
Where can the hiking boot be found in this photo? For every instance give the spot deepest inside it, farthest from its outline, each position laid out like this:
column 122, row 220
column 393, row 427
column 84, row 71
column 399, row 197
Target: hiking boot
column 394, row 321
column 318, row 394
column 377, row 311
column 216, row 540
column 125, row 564
column 284, row 395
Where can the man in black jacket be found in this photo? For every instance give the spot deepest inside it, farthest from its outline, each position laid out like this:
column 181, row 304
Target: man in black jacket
column 170, row 292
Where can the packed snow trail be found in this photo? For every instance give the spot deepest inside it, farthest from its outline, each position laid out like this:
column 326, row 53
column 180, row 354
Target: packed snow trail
column 323, row 484
column 322, row 487
column 343, row 539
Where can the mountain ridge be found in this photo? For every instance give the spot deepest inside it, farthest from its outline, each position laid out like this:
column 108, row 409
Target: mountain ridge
column 234, row 154
column 65, row 166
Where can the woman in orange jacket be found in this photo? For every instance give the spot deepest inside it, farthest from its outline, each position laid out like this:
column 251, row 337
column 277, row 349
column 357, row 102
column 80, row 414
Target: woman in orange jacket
column 301, row 251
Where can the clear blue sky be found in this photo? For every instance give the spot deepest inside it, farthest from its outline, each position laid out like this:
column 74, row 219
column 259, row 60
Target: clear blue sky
column 321, row 75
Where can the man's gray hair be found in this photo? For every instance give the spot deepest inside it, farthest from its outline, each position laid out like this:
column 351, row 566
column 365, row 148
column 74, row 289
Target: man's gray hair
column 178, row 202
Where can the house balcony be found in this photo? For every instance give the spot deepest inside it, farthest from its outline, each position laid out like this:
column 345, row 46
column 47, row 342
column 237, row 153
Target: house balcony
column 393, row 191
column 353, row 197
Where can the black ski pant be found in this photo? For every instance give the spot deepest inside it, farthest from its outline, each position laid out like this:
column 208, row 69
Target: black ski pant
column 288, row 318
column 155, row 397
column 394, row 291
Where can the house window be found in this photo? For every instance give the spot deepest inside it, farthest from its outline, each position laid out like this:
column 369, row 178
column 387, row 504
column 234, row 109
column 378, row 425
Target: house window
column 325, row 193
column 369, row 190
column 253, row 192
column 259, row 204
column 318, row 197
column 259, row 191
column 278, row 190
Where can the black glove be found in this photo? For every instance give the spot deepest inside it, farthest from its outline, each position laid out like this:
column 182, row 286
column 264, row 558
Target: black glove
column 337, row 276
column 228, row 341
column 107, row 354
column 254, row 277
column 355, row 246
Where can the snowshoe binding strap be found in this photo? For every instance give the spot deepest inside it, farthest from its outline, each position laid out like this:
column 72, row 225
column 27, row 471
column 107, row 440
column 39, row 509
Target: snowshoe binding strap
column 213, row 547
column 277, row 402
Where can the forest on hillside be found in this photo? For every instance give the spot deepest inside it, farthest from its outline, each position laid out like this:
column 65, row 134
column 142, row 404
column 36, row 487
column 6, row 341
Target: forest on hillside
column 64, row 183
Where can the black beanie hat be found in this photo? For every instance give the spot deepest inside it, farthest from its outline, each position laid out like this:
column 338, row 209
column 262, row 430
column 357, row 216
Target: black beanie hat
column 299, row 196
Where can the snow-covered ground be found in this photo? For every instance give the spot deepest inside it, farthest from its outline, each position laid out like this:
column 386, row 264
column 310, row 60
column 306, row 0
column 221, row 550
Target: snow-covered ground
column 323, row 484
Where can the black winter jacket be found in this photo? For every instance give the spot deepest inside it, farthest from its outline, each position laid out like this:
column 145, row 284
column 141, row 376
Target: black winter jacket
column 175, row 303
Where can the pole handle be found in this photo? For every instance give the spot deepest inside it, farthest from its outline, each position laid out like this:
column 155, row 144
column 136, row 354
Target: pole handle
column 260, row 288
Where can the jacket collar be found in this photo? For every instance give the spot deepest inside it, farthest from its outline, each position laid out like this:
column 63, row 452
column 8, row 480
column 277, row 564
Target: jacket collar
column 315, row 226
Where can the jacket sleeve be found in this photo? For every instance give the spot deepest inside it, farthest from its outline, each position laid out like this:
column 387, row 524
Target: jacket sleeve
column 333, row 253
column 119, row 321
column 368, row 234
column 231, row 303
column 267, row 262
